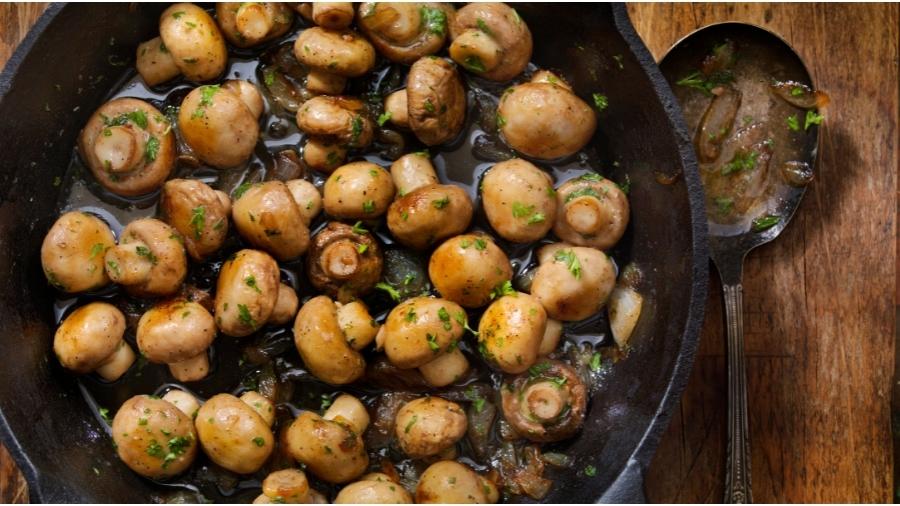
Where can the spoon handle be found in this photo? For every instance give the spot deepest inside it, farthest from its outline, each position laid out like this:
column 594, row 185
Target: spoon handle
column 737, row 471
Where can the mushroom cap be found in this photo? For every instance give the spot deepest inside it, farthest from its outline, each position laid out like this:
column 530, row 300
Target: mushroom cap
column 246, row 292
column 436, row 100
column 572, row 283
column 592, row 211
column 323, row 345
column 268, row 217
column 419, row 329
column 142, row 134
column 341, row 52
column 329, row 449
column 505, row 28
column 518, row 200
column 547, row 404
column 511, row 330
column 89, row 336
column 267, row 21
column 373, row 492
column 166, row 255
column 153, row 437
column 341, row 118
column 194, row 40
column 448, row 481
column 404, row 32
column 73, row 250
column 429, row 214
column 198, row 213
column 175, row 331
column 218, row 125
column 358, row 190
column 233, row 435
column 429, row 425
column 467, row 268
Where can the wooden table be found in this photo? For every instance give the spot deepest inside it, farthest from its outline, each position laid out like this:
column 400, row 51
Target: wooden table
column 819, row 302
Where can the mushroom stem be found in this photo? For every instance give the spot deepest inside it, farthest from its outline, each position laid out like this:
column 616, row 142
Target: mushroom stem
column 253, row 20
column 117, row 363
column 476, row 51
column 332, row 15
column 192, row 369
column 586, row 215
column 349, row 411
column 340, row 260
column 325, row 83
column 119, row 148
column 545, row 401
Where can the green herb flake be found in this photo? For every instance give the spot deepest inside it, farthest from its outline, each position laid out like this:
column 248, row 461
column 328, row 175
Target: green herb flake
column 765, row 222
column 441, row 203
column 269, row 77
column 590, row 471
column 520, row 210
column 742, row 160
column 358, row 229
column 793, row 122
column 434, row 20
column 536, row 218
column 601, row 102
column 796, row 91
column 411, row 315
column 412, row 421
column 587, row 191
column 538, row 369
column 432, row 342
column 151, row 149
column 474, row 64
column 154, row 449
column 724, row 205
column 96, row 250
column 240, row 190
column 355, row 129
column 812, row 118
column 245, row 317
column 259, row 441
column 114, row 266
column 326, row 402
column 104, row 414
column 251, row 282
column 198, row 221
column 145, row 252
column 361, row 248
column 390, row 290
column 569, row 258
column 178, row 14
column 483, row 27
column 595, row 362
column 504, row 288
column 480, row 244
column 698, row 81
column 429, row 106
column 501, row 121
column 384, row 118
column 368, row 206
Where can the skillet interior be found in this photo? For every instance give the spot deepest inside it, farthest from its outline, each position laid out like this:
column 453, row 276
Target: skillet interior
column 50, row 430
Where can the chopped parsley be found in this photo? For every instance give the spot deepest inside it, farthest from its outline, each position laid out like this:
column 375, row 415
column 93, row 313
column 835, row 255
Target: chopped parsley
column 251, row 282
column 480, row 244
column 501, row 121
column 112, row 265
column 358, row 229
column 538, row 369
column 429, row 106
column 724, row 204
column 269, row 77
column 796, row 91
column 412, row 421
column 368, row 206
column 697, row 81
column 569, row 258
column 355, row 129
column 441, row 203
column 483, row 27
column 474, row 64
column 587, row 191
column 177, row 14
column 245, row 317
column 96, row 250
column 198, row 221
column 463, row 319
column 411, row 315
column 590, row 471
column 104, row 414
column 445, row 318
column 742, row 161
column 793, row 122
column 390, row 290
column 765, row 222
column 812, row 118
column 520, row 210
column 361, row 248
column 434, row 20
column 595, row 361
column 138, row 117
column 601, row 102
column 432, row 342
column 145, row 252
column 477, row 400
column 206, row 99
column 384, row 118
column 625, row 186
column 151, row 150
column 154, row 449
column 326, row 402
column 240, row 190
column 504, row 288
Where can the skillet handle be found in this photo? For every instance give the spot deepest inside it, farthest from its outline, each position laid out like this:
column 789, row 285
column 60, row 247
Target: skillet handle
column 737, row 471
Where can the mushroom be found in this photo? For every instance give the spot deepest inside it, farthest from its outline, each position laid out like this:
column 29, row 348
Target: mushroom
column 324, row 154
column 220, row 123
column 261, row 405
column 436, row 100
column 544, row 119
column 429, row 425
column 246, row 292
column 413, row 171
column 510, row 332
column 268, row 217
column 358, row 190
column 572, row 282
column 332, row 15
column 323, row 345
column 333, row 55
column 593, row 211
column 380, row 490
column 467, row 268
column 338, row 119
column 177, row 333
column 285, row 306
column 446, row 369
column 429, row 214
column 307, row 197
column 448, row 481
column 129, row 146
column 190, row 44
column 91, row 339
column 198, row 213
column 344, row 262
column 357, row 324
column 624, row 311
column 287, row 486
column 248, row 24
column 551, row 337
column 518, row 199
column 233, row 435
column 396, row 107
column 184, row 401
column 331, row 449
column 153, row 437
column 490, row 40
column 73, row 251
column 405, row 32
column 349, row 411
column 547, row 404
column 149, row 260
column 418, row 330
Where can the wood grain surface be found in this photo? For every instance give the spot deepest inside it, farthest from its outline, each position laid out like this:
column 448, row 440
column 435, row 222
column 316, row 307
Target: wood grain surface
column 819, row 301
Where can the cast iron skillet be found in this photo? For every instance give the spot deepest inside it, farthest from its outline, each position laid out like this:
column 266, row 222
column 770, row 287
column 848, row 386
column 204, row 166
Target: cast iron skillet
column 44, row 421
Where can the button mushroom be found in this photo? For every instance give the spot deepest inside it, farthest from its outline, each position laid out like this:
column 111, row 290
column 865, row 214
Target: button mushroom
column 268, row 217
column 233, row 435
column 545, row 120
column 413, row 171
column 373, row 491
column 246, row 292
column 344, row 262
column 467, row 268
column 547, row 404
column 324, row 154
column 129, row 146
column 323, row 344
column 358, row 190
column 333, row 55
column 191, row 44
column 307, row 197
column 332, row 15
column 446, row 369
column 357, row 324
column 436, row 100
column 153, row 437
column 592, row 211
column 518, row 199
column 429, row 214
column 287, row 486
column 490, row 40
column 198, row 213
column 429, row 425
column 184, row 401
column 247, row 24
column 405, row 32
column 510, row 332
column 220, row 123
column 420, row 329
column 396, row 107
column 149, row 260
column 91, row 339
column 330, row 447
column 263, row 406
column 177, row 333
column 285, row 306
column 73, row 250
column 552, row 335
column 448, row 481
column 572, row 283
column 340, row 119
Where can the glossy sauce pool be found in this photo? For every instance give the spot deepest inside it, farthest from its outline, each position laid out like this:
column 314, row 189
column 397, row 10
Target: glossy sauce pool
column 267, row 360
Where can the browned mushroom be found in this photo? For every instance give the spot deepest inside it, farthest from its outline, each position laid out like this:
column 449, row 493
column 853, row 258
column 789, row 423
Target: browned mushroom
column 429, row 214
column 547, row 403
column 198, row 213
column 405, row 32
column 344, row 262
column 490, row 40
column 591, row 211
column 247, row 24
column 436, row 100
column 149, row 260
column 340, row 119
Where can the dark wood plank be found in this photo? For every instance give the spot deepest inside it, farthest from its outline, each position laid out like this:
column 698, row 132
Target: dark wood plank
column 819, row 302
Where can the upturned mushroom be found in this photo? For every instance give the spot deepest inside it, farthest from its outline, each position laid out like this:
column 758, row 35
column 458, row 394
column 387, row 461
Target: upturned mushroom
column 153, row 437
column 336, row 120
column 511, row 331
column 73, row 251
column 546, row 404
column 149, row 260
column 429, row 214
column 233, row 435
column 436, row 100
column 592, row 211
column 286, row 486
column 344, row 262
column 129, row 146
column 518, row 199
column 545, row 119
column 198, row 213
column 220, row 123
column 405, row 32
column 329, row 336
column 177, row 333
column 468, row 268
column 268, row 217
column 333, row 55
column 189, row 43
column 448, row 481
column 90, row 339
column 429, row 425
column 490, row 40
column 420, row 329
column 247, row 24
column 246, row 292
column 572, row 282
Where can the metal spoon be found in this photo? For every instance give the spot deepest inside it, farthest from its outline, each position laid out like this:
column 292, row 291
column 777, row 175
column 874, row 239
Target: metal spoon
column 758, row 57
